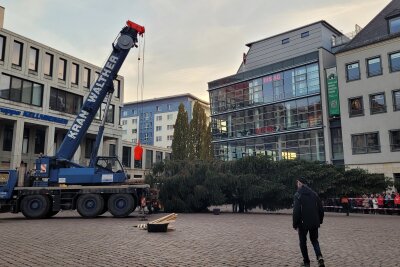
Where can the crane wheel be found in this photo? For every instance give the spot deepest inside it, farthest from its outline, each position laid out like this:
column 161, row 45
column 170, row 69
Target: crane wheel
column 35, row 206
column 90, row 205
column 121, row 205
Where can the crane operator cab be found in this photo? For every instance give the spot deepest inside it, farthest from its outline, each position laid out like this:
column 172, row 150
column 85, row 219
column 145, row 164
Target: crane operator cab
column 110, row 164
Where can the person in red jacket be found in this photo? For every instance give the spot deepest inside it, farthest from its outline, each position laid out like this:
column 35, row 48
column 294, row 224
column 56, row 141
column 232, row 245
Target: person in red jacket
column 380, row 201
column 397, row 201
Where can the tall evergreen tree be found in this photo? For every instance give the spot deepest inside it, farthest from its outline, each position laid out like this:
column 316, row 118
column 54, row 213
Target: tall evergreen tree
column 207, row 152
column 198, row 131
column 181, row 133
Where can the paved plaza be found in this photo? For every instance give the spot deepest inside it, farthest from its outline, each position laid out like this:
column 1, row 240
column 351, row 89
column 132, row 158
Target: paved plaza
column 254, row 239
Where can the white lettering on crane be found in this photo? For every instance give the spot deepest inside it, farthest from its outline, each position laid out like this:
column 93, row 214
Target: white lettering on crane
column 101, row 81
column 74, row 131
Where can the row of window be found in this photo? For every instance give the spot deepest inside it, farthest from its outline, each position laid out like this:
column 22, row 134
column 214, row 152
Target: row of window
column 307, row 145
column 291, row 115
column 169, row 138
column 302, row 35
column 369, row 142
column 279, row 86
column 373, row 66
column 21, row 90
column 148, row 157
column 159, row 108
column 377, row 103
column 169, row 127
column 48, row 65
column 39, row 140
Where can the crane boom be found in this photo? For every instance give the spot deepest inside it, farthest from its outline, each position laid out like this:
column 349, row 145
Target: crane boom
column 99, row 90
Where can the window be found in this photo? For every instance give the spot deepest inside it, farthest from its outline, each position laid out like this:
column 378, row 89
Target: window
column 89, row 144
column 96, row 76
column 159, row 118
column 134, row 131
column 396, row 100
column 353, row 71
column 25, row 141
column 134, row 111
column 356, row 107
column 285, row 41
column 63, row 101
column 110, row 113
column 146, row 116
column 48, row 64
column 169, row 107
column 394, row 25
column 377, row 103
column 305, row 34
column 74, row 73
column 159, row 156
column 2, row 47
column 146, row 136
column 126, row 156
column 8, row 138
column 62, row 68
column 39, row 141
column 86, row 77
column 394, row 140
column 170, row 117
column 17, row 53
column 170, row 137
column 394, row 61
column 117, row 88
column 134, row 121
column 149, row 159
column 170, row 127
column 124, row 122
column 374, row 66
column 158, row 108
column 158, row 128
column 158, row 138
column 147, row 125
column 19, row 90
column 112, row 151
column 365, row 143
column 33, row 59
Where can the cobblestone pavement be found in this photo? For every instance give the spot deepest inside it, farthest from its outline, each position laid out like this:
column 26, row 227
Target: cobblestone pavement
column 198, row 240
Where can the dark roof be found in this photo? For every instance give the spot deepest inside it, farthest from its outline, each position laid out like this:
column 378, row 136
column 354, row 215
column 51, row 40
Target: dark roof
column 377, row 29
column 323, row 22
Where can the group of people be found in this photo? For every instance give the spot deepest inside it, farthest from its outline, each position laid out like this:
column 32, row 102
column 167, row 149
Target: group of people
column 377, row 201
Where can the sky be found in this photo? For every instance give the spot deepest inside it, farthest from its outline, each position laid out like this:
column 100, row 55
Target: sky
column 187, row 43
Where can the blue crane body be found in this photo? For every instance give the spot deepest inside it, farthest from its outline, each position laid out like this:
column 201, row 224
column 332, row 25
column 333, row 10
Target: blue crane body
column 57, row 182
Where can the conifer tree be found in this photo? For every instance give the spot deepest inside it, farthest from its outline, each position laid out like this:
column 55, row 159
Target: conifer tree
column 181, row 132
column 198, row 130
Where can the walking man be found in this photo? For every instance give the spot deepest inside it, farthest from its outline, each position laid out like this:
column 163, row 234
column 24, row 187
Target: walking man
column 308, row 215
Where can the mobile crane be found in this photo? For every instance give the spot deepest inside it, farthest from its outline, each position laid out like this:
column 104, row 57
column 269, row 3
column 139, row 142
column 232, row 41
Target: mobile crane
column 58, row 183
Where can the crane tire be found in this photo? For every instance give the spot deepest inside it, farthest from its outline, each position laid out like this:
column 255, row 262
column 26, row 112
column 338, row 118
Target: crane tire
column 35, row 206
column 121, row 205
column 90, row 205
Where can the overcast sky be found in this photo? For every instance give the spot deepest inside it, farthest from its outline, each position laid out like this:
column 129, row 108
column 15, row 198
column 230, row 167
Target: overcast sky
column 187, row 43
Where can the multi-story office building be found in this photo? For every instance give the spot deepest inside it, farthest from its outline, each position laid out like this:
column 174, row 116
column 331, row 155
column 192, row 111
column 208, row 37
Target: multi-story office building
column 276, row 104
column 369, row 83
column 41, row 92
column 152, row 121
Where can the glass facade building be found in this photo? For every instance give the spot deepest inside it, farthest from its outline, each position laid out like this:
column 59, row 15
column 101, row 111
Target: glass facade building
column 279, row 115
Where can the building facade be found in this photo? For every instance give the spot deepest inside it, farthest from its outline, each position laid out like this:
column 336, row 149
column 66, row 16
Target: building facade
column 41, row 92
column 276, row 104
column 369, row 81
column 151, row 155
column 151, row 122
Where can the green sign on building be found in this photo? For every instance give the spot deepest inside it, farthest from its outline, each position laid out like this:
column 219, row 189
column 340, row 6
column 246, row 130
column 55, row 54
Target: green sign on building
column 333, row 92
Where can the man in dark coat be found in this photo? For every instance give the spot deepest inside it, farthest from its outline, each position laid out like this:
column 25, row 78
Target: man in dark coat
column 308, row 215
